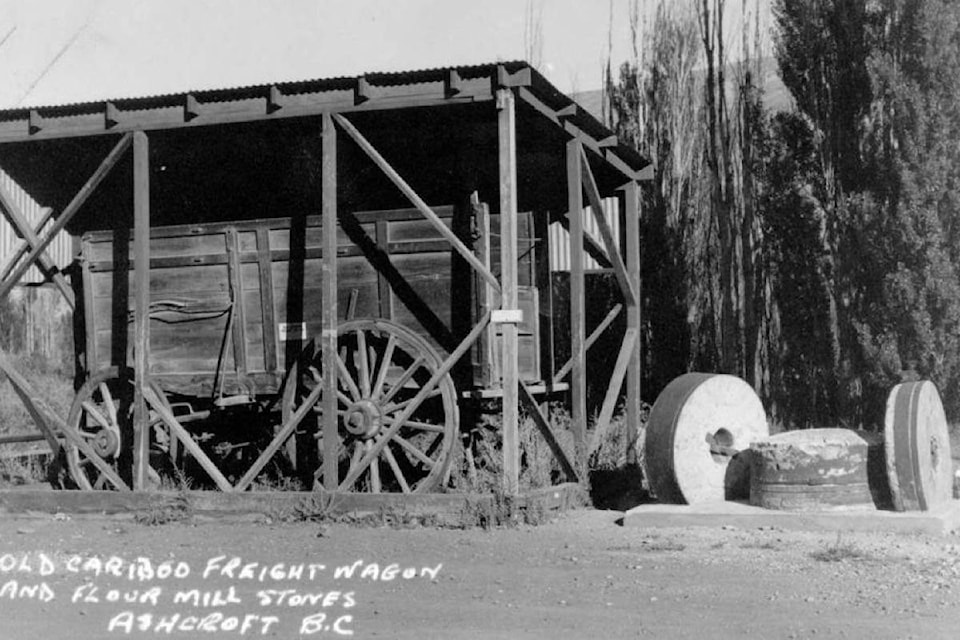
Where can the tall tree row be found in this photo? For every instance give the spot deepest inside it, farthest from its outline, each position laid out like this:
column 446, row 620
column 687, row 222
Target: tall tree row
column 696, row 117
column 815, row 251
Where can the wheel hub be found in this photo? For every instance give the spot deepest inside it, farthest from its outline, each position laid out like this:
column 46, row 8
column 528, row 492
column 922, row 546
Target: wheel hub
column 105, row 443
column 363, row 419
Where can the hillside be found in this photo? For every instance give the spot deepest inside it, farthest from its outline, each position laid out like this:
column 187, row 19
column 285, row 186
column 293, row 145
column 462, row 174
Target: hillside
column 776, row 96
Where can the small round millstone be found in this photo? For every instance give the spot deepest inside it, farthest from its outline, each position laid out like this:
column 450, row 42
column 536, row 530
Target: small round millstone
column 698, row 437
column 810, row 470
column 919, row 465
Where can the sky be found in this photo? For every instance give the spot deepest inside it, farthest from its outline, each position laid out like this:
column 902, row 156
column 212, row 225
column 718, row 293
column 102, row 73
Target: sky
column 63, row 51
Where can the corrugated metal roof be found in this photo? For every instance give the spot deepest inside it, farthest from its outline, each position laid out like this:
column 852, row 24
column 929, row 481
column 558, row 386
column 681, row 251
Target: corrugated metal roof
column 292, row 87
column 540, row 86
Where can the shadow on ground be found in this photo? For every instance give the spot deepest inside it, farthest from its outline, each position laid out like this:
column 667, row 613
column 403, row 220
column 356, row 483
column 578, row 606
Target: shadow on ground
column 618, row 489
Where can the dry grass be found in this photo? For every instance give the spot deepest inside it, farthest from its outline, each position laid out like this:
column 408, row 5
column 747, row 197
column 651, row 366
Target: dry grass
column 840, row 551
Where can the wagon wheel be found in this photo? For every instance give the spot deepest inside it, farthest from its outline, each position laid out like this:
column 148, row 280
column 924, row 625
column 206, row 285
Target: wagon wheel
column 102, row 414
column 381, row 368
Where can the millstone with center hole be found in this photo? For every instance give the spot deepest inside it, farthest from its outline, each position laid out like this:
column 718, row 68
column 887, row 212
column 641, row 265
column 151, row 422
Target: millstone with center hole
column 812, row 469
column 696, row 431
column 919, row 465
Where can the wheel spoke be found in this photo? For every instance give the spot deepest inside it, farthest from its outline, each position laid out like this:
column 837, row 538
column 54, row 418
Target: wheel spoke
column 412, row 369
column 421, row 426
column 108, row 401
column 364, row 364
column 374, row 469
column 96, row 415
column 392, row 461
column 355, row 458
column 348, row 379
column 419, row 455
column 393, row 407
column 384, row 366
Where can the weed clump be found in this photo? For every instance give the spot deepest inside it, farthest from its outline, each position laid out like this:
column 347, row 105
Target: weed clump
column 840, row 551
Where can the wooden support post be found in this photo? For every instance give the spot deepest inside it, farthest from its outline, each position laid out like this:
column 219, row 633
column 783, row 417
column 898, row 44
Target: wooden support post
column 509, row 363
column 328, row 340
column 631, row 199
column 578, row 381
column 141, row 323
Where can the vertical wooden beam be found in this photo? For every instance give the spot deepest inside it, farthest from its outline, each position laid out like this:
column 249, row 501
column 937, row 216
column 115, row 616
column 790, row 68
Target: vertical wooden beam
column 578, row 380
column 509, row 363
column 141, row 322
column 631, row 209
column 490, row 373
column 544, row 282
column 328, row 339
column 267, row 303
column 238, row 323
column 384, row 294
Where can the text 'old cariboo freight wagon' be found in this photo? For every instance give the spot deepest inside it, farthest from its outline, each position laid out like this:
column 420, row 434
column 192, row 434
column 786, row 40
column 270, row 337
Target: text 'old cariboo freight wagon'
column 336, row 268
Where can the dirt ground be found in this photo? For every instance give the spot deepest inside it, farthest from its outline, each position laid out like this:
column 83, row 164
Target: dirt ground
column 579, row 576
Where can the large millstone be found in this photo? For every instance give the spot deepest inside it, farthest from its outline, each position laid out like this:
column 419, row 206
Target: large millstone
column 695, row 431
column 811, row 470
column 919, row 466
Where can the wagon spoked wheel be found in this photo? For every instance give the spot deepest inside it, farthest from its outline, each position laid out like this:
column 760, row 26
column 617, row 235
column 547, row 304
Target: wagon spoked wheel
column 102, row 414
column 381, row 369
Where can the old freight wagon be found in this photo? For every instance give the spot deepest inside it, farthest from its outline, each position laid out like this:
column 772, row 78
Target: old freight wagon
column 318, row 277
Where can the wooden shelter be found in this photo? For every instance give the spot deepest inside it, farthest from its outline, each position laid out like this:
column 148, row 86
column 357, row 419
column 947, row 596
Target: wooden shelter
column 208, row 285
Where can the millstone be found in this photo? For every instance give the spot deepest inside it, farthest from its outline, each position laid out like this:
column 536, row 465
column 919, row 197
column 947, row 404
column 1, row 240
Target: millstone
column 697, row 428
column 919, row 466
column 811, row 470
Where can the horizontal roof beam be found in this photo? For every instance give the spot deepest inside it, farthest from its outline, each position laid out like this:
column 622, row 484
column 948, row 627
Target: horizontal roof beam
column 602, row 148
column 194, row 113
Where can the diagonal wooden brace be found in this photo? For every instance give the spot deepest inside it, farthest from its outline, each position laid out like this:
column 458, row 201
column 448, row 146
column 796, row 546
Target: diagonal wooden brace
column 49, row 423
column 417, row 201
column 592, row 246
column 18, row 220
column 286, row 430
column 548, row 434
column 596, row 333
column 184, row 436
column 613, row 251
column 613, row 390
column 69, row 211
column 25, row 246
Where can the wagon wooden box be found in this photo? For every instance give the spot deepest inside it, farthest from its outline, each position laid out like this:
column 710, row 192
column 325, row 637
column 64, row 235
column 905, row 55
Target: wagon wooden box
column 220, row 326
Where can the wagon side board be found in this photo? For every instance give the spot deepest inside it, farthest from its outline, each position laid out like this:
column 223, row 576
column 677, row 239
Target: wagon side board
column 230, row 302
